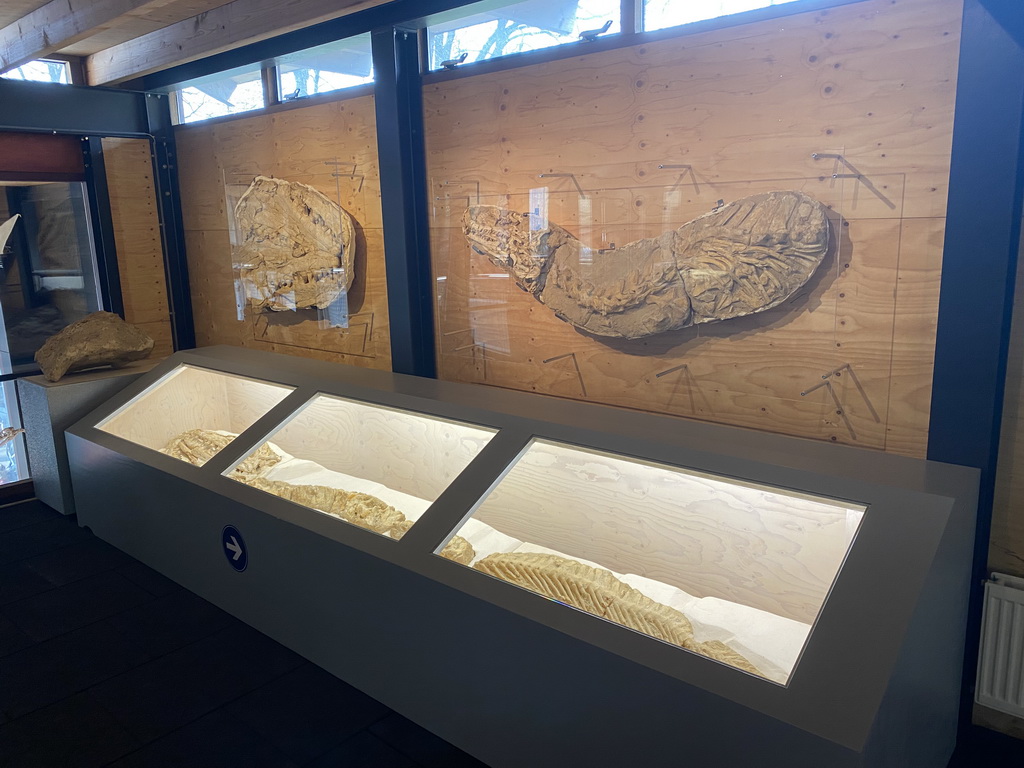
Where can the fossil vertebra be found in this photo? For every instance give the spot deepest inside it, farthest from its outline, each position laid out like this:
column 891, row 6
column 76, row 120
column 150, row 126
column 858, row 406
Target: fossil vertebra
column 742, row 258
column 198, row 446
column 597, row 591
column 360, row 509
column 296, row 247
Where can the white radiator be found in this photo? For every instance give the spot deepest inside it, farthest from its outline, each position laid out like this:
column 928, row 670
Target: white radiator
column 1001, row 662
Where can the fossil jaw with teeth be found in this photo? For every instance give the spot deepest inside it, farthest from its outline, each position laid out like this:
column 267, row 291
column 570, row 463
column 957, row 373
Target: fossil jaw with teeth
column 742, row 258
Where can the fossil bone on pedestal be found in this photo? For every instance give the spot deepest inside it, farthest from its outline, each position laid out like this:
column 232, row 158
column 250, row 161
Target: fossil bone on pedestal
column 296, row 247
column 101, row 338
column 742, row 258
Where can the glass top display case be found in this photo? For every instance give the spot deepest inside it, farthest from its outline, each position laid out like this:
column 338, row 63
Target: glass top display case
column 376, row 467
column 735, row 571
column 192, row 413
column 740, row 577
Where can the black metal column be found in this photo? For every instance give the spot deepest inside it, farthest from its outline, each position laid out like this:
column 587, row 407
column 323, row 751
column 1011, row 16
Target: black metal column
column 979, row 267
column 108, row 275
column 404, row 200
column 172, row 231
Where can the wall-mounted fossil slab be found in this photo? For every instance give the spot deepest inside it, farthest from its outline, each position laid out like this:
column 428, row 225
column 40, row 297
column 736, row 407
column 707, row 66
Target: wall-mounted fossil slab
column 742, row 258
column 296, row 247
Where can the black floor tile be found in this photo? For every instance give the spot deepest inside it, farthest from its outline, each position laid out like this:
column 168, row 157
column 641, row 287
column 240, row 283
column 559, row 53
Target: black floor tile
column 75, row 605
column 73, row 733
column 213, row 741
column 25, row 513
column 50, row 671
column 983, row 748
column 421, row 745
column 77, row 561
column 18, row 581
column 43, row 536
column 170, row 622
column 363, row 750
column 172, row 691
column 306, row 712
column 151, row 581
column 12, row 639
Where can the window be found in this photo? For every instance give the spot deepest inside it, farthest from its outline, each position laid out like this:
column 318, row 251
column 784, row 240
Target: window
column 659, row 14
column 325, row 68
column 41, row 71
column 520, row 27
column 221, row 95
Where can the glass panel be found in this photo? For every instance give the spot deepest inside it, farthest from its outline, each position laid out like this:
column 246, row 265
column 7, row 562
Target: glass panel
column 376, row 467
column 221, row 95
column 735, row 571
column 41, row 71
column 47, row 267
column 307, row 245
column 658, row 14
column 48, row 280
column 192, row 413
column 13, row 460
column 325, row 68
column 520, row 27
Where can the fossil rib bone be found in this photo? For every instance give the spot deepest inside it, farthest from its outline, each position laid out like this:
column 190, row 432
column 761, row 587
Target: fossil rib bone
column 742, row 258
column 360, row 509
column 296, row 246
column 597, row 591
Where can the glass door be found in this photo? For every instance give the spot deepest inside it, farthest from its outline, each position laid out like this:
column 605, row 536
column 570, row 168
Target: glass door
column 48, row 280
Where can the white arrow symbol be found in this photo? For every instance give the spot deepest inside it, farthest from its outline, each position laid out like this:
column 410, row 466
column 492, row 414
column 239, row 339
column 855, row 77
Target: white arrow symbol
column 234, row 547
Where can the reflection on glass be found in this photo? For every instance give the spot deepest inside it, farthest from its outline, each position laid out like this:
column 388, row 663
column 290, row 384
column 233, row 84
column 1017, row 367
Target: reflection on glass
column 41, row 71
column 329, row 67
column 47, row 265
column 527, row 26
column 48, row 280
column 658, row 14
column 734, row 571
column 192, row 413
column 375, row 467
column 220, row 95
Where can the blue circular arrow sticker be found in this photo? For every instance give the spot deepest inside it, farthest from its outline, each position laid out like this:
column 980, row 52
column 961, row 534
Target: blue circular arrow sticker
column 234, row 548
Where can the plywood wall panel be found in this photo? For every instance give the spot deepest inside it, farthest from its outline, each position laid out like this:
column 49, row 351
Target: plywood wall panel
column 868, row 87
column 136, row 223
column 331, row 146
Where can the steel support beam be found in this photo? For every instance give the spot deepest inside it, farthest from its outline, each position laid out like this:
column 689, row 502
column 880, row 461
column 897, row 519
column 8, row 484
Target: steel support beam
column 108, row 274
column 403, row 183
column 979, row 264
column 172, row 228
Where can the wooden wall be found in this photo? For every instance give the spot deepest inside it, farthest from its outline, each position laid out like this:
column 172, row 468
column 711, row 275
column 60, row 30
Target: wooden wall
column 331, row 146
column 868, row 87
column 140, row 256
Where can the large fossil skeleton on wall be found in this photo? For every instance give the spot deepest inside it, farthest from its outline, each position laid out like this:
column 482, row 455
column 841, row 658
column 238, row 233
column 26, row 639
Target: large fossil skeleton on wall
column 296, row 247
column 742, row 258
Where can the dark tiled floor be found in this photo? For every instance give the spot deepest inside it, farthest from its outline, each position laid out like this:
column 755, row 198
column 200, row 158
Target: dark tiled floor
column 105, row 662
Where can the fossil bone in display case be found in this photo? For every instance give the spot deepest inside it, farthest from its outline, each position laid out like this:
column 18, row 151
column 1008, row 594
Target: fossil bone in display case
column 192, row 413
column 732, row 571
column 377, row 468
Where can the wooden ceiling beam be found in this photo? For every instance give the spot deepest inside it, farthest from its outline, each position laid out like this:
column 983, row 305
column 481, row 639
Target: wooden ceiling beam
column 61, row 23
column 229, row 26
